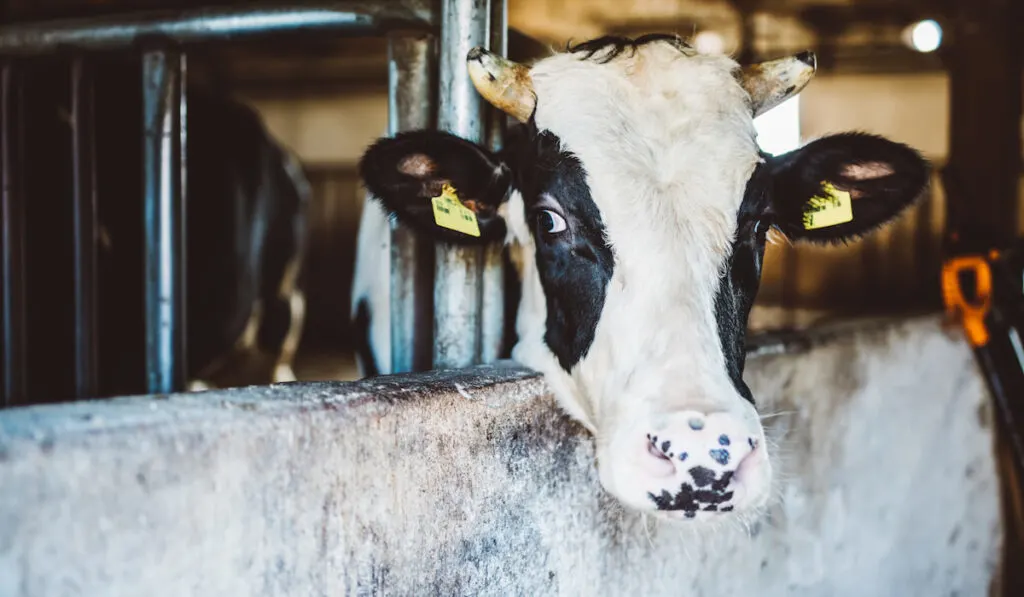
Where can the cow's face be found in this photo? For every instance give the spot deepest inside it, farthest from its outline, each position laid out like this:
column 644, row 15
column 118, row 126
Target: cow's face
column 639, row 202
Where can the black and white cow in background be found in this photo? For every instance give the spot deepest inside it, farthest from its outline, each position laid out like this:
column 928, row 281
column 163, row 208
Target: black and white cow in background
column 247, row 201
column 636, row 192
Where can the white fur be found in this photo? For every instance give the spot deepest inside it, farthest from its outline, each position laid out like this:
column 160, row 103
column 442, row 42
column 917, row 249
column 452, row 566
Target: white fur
column 371, row 281
column 668, row 144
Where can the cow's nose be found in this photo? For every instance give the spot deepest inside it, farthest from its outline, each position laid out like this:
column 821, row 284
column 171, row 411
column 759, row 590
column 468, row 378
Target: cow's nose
column 704, row 463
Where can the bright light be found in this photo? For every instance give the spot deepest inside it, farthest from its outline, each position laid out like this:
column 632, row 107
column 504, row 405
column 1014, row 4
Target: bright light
column 925, row 36
column 778, row 130
column 709, row 42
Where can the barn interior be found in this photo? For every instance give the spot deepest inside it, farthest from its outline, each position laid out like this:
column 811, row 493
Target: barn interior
column 906, row 69
column 943, row 76
column 902, row 69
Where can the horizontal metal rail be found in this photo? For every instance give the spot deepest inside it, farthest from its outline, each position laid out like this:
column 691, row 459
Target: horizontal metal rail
column 124, row 30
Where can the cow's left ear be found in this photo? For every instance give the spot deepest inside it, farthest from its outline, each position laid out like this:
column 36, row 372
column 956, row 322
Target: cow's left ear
column 441, row 184
column 843, row 186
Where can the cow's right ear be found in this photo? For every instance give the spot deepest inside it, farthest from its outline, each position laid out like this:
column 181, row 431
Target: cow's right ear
column 439, row 183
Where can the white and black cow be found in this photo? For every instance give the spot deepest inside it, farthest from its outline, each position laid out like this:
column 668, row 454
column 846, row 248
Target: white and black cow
column 246, row 233
column 635, row 194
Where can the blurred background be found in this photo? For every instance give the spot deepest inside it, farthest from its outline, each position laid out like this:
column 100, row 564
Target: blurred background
column 891, row 67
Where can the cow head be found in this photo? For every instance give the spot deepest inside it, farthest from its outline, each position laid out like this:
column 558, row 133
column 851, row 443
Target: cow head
column 634, row 188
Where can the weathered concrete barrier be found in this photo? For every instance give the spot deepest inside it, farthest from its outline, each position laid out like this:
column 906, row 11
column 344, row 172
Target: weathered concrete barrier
column 471, row 483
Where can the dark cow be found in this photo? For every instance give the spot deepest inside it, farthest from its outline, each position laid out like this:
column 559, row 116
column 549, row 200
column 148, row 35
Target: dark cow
column 639, row 201
column 247, row 229
column 247, row 200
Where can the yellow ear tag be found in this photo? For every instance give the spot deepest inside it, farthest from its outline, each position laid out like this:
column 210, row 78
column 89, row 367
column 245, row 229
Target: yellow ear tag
column 833, row 209
column 450, row 213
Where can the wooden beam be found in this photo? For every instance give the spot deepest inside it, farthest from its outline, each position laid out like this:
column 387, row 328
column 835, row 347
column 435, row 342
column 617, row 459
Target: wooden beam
column 983, row 173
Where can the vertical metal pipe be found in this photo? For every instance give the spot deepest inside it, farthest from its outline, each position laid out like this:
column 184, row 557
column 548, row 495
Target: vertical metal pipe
column 458, row 270
column 84, row 228
column 163, row 74
column 181, row 247
column 412, row 68
column 492, row 307
column 12, row 239
column 496, row 119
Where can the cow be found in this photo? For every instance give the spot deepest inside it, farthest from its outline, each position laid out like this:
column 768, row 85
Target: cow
column 246, row 209
column 634, row 192
column 247, row 235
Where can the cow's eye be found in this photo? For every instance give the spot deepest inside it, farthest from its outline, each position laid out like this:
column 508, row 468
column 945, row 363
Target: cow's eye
column 550, row 222
column 761, row 227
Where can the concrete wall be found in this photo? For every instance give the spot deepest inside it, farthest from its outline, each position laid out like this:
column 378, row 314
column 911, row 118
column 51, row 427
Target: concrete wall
column 471, row 483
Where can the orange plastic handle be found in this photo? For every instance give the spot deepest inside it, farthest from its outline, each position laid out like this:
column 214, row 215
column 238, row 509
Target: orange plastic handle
column 972, row 314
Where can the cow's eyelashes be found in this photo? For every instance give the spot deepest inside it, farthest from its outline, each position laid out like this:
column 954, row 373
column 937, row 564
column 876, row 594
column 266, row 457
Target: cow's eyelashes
column 550, row 222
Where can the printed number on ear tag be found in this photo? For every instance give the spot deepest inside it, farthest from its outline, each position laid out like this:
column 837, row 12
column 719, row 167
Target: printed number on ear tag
column 450, row 213
column 833, row 209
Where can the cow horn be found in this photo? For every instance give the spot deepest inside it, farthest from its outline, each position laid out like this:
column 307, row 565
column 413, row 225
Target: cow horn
column 506, row 85
column 773, row 82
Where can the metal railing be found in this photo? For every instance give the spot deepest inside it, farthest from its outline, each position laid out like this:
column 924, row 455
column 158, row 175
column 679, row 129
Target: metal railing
column 426, row 79
column 213, row 24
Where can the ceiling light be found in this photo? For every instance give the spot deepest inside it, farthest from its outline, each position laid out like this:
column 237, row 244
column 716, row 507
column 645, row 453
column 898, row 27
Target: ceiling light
column 709, row 42
column 924, row 36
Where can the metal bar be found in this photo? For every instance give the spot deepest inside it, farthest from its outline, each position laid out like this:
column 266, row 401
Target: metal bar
column 179, row 231
column 85, row 228
column 498, row 43
column 458, row 270
column 12, row 240
column 121, row 31
column 492, row 307
column 163, row 77
column 412, row 93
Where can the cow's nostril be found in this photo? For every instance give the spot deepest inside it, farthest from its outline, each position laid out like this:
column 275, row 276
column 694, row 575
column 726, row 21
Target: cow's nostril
column 661, row 464
column 654, row 451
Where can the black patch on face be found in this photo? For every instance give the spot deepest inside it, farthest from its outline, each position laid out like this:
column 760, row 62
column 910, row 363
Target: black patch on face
column 702, row 477
column 708, row 495
column 575, row 265
column 742, row 277
column 721, row 483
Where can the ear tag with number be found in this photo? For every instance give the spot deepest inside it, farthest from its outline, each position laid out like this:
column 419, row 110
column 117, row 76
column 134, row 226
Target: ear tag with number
column 450, row 213
column 833, row 209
